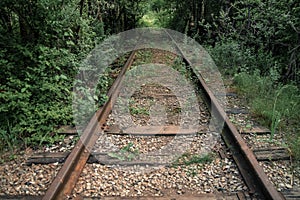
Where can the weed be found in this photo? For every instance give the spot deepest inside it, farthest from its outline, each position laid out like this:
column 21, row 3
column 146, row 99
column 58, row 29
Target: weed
column 192, row 172
column 275, row 116
column 104, row 83
column 248, row 125
column 189, row 159
column 126, row 153
column 294, row 145
column 180, row 66
column 143, row 57
column 138, row 110
column 12, row 157
column 232, row 119
column 275, row 105
column 8, row 139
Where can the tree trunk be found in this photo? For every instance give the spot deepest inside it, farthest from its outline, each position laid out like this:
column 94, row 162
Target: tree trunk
column 6, row 20
column 81, row 4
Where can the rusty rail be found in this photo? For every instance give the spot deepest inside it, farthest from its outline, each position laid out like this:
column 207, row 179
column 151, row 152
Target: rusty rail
column 63, row 184
column 253, row 174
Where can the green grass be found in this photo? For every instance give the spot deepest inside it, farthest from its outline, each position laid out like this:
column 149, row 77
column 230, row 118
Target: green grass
column 126, row 153
column 143, row 57
column 275, row 105
column 189, row 159
column 139, row 110
column 136, row 109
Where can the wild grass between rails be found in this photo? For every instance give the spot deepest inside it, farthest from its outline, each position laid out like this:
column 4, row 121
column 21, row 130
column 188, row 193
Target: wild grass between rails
column 276, row 105
column 189, row 159
column 126, row 153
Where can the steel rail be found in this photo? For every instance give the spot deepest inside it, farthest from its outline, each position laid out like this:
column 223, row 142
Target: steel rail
column 253, row 174
column 63, row 184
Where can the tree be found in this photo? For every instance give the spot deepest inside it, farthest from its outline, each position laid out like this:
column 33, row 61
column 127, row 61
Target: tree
column 263, row 27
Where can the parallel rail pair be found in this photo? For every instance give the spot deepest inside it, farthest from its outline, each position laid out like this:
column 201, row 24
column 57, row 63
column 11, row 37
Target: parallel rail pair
column 253, row 174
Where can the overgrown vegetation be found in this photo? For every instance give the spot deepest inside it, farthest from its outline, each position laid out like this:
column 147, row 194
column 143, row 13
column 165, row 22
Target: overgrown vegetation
column 257, row 30
column 189, row 159
column 157, row 14
column 139, row 110
column 126, row 153
column 38, row 61
column 42, row 45
column 276, row 105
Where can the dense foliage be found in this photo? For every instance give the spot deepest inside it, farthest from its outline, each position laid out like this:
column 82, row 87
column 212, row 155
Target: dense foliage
column 42, row 43
column 260, row 28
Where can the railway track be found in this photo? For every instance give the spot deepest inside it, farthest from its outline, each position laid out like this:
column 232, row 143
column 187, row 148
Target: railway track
column 102, row 123
column 252, row 173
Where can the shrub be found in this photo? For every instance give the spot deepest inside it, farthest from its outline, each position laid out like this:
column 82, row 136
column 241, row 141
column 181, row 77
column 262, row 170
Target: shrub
column 36, row 96
column 232, row 57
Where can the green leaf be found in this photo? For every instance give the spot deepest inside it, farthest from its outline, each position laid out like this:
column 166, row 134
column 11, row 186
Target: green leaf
column 69, row 42
column 116, row 155
column 63, row 77
column 96, row 98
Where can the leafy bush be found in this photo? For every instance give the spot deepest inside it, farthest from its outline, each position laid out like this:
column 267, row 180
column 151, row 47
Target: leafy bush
column 232, row 57
column 33, row 99
column 41, row 44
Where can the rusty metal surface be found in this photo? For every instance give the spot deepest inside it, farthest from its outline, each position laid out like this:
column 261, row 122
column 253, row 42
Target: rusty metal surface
column 63, row 184
column 253, row 174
